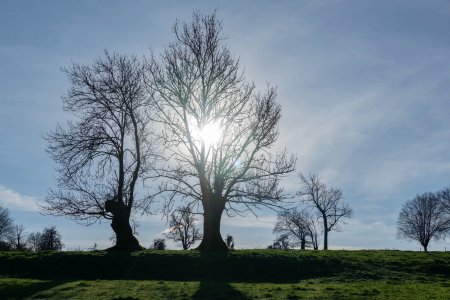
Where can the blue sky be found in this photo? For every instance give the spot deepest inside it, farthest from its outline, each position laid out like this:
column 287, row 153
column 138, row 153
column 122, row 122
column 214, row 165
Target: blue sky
column 364, row 87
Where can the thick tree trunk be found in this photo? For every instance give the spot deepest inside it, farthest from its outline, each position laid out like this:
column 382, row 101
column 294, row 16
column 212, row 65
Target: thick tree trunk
column 303, row 244
column 212, row 239
column 125, row 240
column 325, row 233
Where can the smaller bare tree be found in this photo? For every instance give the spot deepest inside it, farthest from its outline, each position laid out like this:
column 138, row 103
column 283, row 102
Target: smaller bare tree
column 17, row 238
column 6, row 225
column 327, row 200
column 299, row 226
column 34, row 240
column 422, row 219
column 183, row 229
column 282, row 242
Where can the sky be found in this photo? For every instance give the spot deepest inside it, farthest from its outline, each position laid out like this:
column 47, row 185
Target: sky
column 364, row 88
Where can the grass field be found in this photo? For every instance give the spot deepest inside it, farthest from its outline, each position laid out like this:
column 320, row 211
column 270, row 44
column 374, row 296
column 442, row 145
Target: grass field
column 241, row 274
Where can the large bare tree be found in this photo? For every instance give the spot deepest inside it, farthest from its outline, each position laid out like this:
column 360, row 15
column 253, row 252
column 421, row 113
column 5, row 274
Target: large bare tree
column 183, row 228
column 422, row 219
column 106, row 150
column 327, row 200
column 217, row 131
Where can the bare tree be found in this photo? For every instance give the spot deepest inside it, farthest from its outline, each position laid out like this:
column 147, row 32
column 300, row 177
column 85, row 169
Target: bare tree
column 34, row 240
column 444, row 197
column 299, row 226
column 217, row 131
column 422, row 219
column 17, row 239
column 282, row 242
column 106, row 151
column 183, row 229
column 328, row 202
column 6, row 225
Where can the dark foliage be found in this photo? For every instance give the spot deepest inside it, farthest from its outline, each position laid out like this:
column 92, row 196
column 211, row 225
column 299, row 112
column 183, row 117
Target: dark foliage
column 159, row 244
column 230, row 242
column 50, row 239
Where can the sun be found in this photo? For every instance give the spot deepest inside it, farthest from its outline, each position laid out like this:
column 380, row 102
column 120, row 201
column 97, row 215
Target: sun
column 210, row 134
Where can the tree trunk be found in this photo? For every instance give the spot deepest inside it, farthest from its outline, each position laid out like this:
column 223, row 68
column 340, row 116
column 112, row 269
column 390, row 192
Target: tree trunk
column 212, row 239
column 303, row 244
column 325, row 233
column 125, row 240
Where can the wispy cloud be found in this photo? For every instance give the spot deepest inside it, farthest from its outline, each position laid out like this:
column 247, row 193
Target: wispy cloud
column 250, row 221
column 14, row 200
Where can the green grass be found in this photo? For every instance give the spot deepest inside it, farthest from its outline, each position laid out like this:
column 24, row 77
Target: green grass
column 242, row 274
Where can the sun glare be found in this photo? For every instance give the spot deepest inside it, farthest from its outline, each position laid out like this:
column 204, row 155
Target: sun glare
column 210, row 134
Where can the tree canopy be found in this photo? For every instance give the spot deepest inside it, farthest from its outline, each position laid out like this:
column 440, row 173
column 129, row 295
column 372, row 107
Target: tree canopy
column 217, row 131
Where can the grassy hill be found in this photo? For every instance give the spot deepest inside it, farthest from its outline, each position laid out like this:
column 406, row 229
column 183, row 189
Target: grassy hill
column 241, row 274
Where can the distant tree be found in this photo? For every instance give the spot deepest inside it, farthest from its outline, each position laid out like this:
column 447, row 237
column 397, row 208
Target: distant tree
column 328, row 202
column 50, row 239
column 444, row 197
column 6, row 226
column 93, row 248
column 281, row 243
column 159, row 244
column 183, row 229
column 34, row 240
column 422, row 219
column 5, row 246
column 17, row 239
column 230, row 242
column 106, row 151
column 218, row 132
column 299, row 226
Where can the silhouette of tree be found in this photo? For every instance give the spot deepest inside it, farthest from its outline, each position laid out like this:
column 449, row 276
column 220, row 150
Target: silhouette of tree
column 17, row 239
column 106, row 151
column 422, row 219
column 300, row 226
column 217, row 130
column 159, row 244
column 282, row 242
column 230, row 242
column 328, row 202
column 444, row 197
column 183, row 229
column 48, row 239
column 6, row 227
column 34, row 240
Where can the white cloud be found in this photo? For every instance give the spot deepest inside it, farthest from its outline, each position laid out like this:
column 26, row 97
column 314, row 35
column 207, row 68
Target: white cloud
column 250, row 221
column 13, row 200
